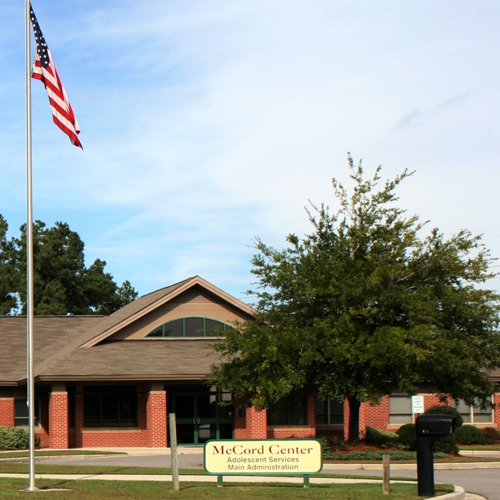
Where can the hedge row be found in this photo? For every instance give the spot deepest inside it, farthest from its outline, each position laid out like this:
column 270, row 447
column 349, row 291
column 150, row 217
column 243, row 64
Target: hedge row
column 405, row 437
column 13, row 438
column 377, row 455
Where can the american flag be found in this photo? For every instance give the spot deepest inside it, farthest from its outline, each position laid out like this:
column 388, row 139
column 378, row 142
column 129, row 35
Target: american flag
column 45, row 70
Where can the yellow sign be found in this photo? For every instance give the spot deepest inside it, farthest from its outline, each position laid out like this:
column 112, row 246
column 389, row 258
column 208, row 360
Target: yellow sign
column 271, row 456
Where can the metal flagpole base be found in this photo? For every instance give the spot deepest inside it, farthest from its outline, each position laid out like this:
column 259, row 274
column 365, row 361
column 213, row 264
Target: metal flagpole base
column 32, row 488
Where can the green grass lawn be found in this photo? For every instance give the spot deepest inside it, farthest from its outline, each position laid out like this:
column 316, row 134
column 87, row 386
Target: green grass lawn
column 143, row 490
column 55, row 453
column 14, row 468
column 41, row 468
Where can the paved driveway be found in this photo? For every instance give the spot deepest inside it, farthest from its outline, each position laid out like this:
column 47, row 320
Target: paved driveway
column 186, row 460
column 484, row 482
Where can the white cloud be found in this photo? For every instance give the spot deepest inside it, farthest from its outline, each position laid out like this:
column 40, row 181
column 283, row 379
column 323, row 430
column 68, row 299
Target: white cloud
column 208, row 123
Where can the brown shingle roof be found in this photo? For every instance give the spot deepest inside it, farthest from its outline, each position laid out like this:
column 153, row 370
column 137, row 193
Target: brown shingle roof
column 50, row 334
column 54, row 360
column 131, row 310
column 76, row 347
column 151, row 359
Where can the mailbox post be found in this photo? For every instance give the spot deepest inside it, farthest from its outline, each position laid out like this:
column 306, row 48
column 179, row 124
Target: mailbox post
column 429, row 428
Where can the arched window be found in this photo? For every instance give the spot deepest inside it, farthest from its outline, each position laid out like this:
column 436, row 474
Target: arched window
column 189, row 327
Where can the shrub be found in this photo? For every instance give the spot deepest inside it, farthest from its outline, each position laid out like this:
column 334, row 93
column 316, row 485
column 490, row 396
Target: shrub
column 407, row 436
column 446, row 410
column 384, row 439
column 468, row 434
column 446, row 444
column 13, row 438
column 491, row 435
column 332, row 443
column 377, row 455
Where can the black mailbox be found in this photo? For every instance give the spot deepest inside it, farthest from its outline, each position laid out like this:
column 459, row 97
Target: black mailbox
column 435, row 425
column 429, row 428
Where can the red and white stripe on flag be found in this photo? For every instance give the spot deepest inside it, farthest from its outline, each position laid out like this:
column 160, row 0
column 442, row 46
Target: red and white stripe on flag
column 45, row 70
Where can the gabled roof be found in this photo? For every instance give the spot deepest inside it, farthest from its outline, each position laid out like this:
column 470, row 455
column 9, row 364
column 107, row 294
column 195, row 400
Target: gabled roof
column 78, row 347
column 152, row 359
column 50, row 334
column 147, row 303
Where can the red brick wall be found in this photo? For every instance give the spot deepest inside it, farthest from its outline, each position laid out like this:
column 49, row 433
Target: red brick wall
column 239, row 423
column 106, row 438
column 43, row 437
column 290, row 432
column 152, row 429
column 58, row 420
column 157, row 419
column 7, row 412
column 302, row 431
column 78, row 436
column 371, row 416
column 110, row 438
column 377, row 416
column 253, row 426
column 496, row 411
column 433, row 400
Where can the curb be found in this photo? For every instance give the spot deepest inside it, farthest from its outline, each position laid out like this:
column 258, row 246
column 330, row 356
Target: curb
column 458, row 494
column 396, row 466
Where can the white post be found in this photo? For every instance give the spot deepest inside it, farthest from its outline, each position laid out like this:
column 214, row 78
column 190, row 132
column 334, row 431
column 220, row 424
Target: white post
column 173, row 451
column 29, row 260
column 387, row 474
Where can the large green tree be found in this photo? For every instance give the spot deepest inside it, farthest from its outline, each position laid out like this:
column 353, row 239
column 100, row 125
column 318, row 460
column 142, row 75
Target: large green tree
column 62, row 282
column 364, row 305
column 8, row 298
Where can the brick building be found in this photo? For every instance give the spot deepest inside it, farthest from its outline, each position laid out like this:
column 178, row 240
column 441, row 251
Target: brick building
column 112, row 380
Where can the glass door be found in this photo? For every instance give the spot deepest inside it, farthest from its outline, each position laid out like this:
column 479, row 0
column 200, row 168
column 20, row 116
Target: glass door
column 200, row 416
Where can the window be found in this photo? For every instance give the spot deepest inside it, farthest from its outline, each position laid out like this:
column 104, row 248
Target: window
column 474, row 414
column 189, row 327
column 21, row 417
column 400, row 410
column 291, row 410
column 110, row 406
column 329, row 412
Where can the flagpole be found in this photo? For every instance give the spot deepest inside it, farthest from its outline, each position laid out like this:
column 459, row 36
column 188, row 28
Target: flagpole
column 29, row 259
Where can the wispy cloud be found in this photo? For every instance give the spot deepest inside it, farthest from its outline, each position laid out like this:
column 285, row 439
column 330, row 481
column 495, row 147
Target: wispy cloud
column 208, row 123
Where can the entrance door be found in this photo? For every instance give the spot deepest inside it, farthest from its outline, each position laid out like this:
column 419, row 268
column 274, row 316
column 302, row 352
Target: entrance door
column 199, row 414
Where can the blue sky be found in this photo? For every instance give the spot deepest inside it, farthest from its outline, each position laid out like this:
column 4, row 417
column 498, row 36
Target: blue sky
column 208, row 123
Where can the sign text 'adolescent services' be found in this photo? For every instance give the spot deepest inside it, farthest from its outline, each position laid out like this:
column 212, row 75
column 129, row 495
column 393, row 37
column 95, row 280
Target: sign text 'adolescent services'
column 273, row 456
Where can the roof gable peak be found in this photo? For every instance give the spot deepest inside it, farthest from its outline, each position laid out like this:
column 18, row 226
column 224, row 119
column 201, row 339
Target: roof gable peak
column 151, row 301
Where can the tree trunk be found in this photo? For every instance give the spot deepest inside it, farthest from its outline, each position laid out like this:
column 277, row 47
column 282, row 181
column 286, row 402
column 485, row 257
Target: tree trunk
column 354, row 406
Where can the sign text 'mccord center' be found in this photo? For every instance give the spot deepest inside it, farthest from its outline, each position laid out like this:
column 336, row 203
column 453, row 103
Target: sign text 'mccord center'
column 264, row 456
column 273, row 449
